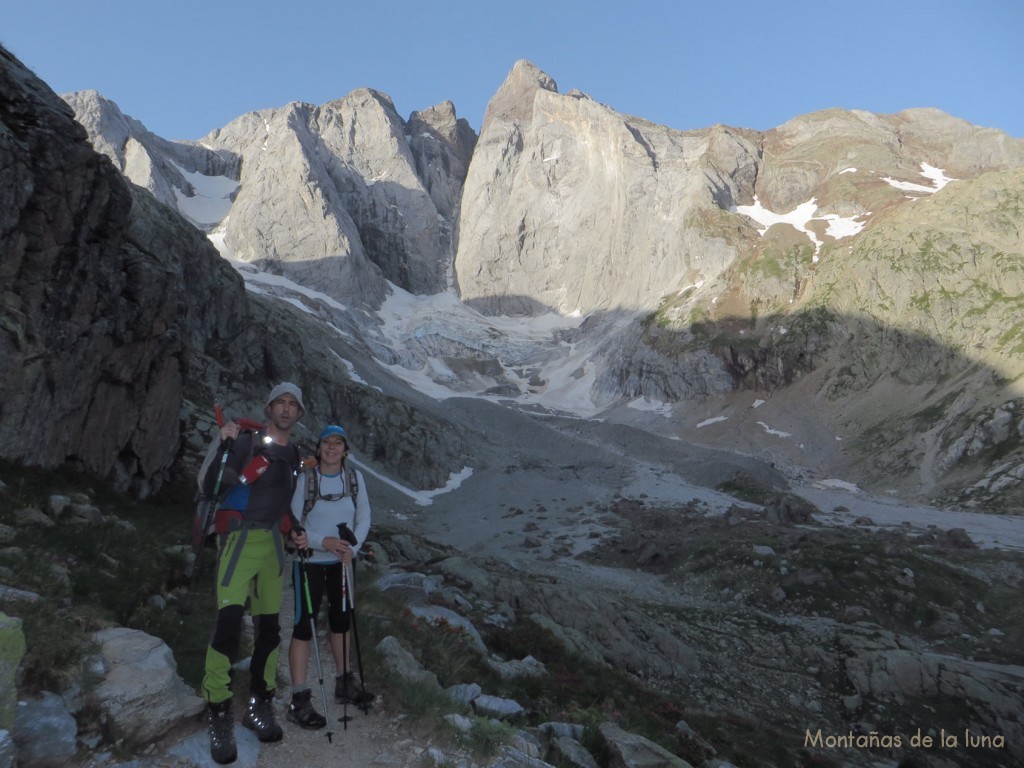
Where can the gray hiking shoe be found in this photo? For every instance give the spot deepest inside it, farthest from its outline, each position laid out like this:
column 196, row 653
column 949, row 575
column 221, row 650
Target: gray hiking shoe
column 348, row 689
column 259, row 717
column 222, row 732
column 301, row 711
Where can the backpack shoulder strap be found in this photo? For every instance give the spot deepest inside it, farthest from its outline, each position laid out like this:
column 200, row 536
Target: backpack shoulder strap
column 312, row 486
column 353, row 484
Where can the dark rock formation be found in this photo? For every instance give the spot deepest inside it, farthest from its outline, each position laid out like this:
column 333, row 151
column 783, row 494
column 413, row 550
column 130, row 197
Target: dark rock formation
column 104, row 292
column 121, row 324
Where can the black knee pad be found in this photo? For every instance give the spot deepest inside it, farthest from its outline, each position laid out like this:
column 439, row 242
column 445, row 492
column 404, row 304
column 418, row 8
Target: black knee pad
column 228, row 632
column 267, row 630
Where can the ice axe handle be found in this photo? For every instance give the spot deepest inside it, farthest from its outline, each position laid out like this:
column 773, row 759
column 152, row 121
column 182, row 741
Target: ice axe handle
column 226, row 444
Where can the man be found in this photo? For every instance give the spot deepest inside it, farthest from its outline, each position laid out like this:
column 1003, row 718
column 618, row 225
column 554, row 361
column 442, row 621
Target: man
column 259, row 475
column 335, row 515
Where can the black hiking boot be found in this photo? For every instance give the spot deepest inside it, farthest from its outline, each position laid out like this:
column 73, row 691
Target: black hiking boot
column 222, row 732
column 346, row 689
column 301, row 711
column 259, row 717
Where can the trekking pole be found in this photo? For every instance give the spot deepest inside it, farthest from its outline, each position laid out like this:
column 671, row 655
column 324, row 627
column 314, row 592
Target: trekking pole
column 199, row 541
column 315, row 640
column 349, row 594
column 344, row 671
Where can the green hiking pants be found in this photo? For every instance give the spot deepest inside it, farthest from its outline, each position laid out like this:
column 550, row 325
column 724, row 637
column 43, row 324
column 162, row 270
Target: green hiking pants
column 256, row 577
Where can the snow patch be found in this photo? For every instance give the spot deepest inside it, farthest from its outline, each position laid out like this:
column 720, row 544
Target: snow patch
column 798, row 218
column 712, row 420
column 840, row 485
column 937, row 176
column 775, row 432
column 423, row 498
column 653, row 406
column 212, row 200
column 351, row 369
column 543, row 371
column 254, row 278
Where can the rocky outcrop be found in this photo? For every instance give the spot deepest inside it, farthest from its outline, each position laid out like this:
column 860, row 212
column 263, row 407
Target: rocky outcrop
column 104, row 292
column 139, row 695
column 129, row 692
column 600, row 627
column 195, row 180
column 571, row 206
column 442, row 145
column 332, row 195
column 834, row 249
column 628, row 750
column 340, row 197
column 991, row 692
column 117, row 311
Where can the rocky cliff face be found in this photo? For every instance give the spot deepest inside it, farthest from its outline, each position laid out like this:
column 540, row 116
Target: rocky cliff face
column 122, row 325
column 332, row 194
column 860, row 276
column 105, row 290
column 834, row 263
column 170, row 170
column 904, row 334
column 573, row 207
column 339, row 197
column 858, row 248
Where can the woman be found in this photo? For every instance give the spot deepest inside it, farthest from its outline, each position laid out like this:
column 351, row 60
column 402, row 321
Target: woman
column 336, row 519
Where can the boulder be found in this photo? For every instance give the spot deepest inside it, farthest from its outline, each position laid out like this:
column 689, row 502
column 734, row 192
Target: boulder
column 8, row 749
column 463, row 693
column 628, row 750
column 398, row 660
column 525, row 667
column 510, row 757
column 991, row 691
column 436, row 614
column 496, row 706
column 45, row 732
column 570, row 752
column 141, row 696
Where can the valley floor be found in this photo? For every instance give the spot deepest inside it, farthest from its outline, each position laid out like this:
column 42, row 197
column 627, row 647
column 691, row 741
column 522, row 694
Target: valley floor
column 772, row 633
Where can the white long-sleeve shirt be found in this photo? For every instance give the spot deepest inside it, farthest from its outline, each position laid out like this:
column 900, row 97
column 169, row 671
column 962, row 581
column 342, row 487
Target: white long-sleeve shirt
column 324, row 517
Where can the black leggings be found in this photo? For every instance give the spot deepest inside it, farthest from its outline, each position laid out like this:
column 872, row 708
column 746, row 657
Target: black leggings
column 322, row 579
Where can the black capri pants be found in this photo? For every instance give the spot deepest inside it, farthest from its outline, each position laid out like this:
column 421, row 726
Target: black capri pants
column 322, row 579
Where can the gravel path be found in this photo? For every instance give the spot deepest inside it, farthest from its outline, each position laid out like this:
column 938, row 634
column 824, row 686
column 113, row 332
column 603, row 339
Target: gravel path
column 378, row 737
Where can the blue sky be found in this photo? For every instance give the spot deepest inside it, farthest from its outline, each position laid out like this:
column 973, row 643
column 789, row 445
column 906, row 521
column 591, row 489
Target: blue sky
column 187, row 67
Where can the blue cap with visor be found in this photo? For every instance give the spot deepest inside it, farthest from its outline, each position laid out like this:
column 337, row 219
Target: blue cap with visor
column 333, row 429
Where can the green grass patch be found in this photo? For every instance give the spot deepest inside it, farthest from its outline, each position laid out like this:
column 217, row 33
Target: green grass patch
column 746, row 488
column 487, row 736
column 96, row 574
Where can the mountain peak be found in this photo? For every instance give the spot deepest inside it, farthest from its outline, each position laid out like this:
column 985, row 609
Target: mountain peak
column 514, row 99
